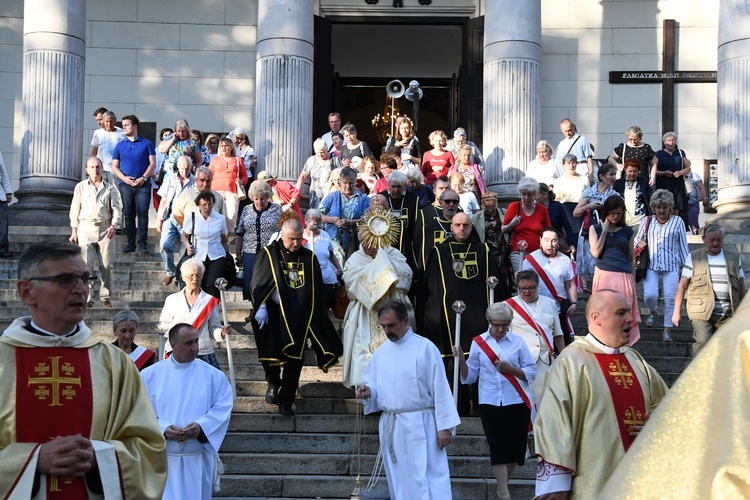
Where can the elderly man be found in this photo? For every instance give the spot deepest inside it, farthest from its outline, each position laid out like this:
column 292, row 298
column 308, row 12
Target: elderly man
column 334, row 123
column 170, row 192
column 104, row 141
column 405, row 207
column 95, row 214
column 457, row 269
column 318, row 170
column 287, row 290
column 133, row 163
column 342, row 209
column 433, row 226
column 194, row 420
column 714, row 280
column 596, row 400
column 76, row 419
column 577, row 145
column 416, row 423
column 555, row 270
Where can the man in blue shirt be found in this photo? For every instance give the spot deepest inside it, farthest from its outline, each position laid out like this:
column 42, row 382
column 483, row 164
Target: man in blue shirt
column 133, row 163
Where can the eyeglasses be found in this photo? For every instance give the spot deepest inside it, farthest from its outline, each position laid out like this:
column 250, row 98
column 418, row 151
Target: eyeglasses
column 616, row 214
column 67, row 280
column 527, row 289
column 450, row 202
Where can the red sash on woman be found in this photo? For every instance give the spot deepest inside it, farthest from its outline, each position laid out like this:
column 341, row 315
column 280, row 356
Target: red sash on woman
column 524, row 392
column 141, row 356
column 521, row 310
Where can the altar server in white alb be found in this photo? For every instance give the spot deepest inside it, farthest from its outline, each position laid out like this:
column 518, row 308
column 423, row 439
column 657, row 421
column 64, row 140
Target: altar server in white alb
column 406, row 381
column 193, row 403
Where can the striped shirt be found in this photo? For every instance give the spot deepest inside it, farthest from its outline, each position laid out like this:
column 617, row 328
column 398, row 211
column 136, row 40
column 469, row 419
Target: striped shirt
column 667, row 244
column 717, row 266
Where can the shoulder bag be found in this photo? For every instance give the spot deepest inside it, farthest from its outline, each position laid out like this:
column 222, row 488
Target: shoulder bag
column 241, row 194
column 642, row 258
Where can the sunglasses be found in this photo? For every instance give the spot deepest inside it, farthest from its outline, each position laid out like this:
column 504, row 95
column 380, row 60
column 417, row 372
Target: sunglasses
column 450, row 202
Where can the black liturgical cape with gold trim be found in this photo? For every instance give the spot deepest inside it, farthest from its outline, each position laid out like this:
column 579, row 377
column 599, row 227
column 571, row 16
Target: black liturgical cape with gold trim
column 442, row 286
column 301, row 313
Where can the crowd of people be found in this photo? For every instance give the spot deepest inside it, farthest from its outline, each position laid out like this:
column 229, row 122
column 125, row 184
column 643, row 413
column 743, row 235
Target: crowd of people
column 441, row 283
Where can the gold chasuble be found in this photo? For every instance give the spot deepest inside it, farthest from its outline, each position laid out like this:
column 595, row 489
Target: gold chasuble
column 62, row 386
column 589, row 401
column 697, row 446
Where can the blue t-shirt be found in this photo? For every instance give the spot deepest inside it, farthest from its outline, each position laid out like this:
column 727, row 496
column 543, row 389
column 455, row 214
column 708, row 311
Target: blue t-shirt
column 614, row 257
column 133, row 156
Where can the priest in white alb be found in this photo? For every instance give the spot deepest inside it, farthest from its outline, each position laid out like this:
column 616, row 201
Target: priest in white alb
column 597, row 398
column 193, row 403
column 374, row 274
column 406, row 381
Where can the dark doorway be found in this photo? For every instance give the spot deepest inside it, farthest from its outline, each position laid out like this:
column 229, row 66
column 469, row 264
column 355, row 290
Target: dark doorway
column 362, row 99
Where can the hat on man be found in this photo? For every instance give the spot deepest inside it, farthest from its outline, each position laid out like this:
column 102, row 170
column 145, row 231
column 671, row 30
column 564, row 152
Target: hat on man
column 265, row 175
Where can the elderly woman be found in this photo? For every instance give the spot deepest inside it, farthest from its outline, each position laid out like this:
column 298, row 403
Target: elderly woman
column 437, row 161
column 569, row 188
column 284, row 193
column 634, row 188
column 460, row 139
column 354, row 151
column 670, row 174
column 417, row 187
column 254, row 228
column 537, row 322
column 194, row 306
column 469, row 203
column 208, row 229
column 320, row 243
column 125, row 327
column 318, row 170
column 612, row 247
column 524, row 220
column 544, row 168
column 169, row 192
column 667, row 251
column 588, row 207
column 342, row 209
column 505, row 412
column 634, row 148
column 228, row 168
column 179, row 144
column 473, row 173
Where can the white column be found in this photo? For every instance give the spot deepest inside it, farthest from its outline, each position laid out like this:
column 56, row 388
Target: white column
column 53, row 89
column 512, row 90
column 283, row 99
column 733, row 81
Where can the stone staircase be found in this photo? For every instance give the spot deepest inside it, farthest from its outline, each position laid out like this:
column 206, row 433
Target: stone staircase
column 313, row 454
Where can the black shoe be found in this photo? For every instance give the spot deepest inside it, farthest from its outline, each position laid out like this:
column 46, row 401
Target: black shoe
column 5, row 255
column 129, row 250
column 271, row 393
column 142, row 249
column 286, row 409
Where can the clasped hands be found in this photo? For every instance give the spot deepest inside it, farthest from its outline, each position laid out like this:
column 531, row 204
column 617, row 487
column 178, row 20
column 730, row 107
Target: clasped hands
column 66, row 456
column 190, row 431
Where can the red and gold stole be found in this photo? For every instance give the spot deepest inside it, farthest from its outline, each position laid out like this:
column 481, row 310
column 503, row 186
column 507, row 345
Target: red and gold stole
column 54, row 397
column 626, row 392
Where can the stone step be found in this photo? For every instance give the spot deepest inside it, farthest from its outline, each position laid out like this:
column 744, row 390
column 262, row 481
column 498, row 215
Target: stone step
column 123, row 297
column 321, row 486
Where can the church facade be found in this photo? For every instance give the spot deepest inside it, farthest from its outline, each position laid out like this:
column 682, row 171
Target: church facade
column 506, row 71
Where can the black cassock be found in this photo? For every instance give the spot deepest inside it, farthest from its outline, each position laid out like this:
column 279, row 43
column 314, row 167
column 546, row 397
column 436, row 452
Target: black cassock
column 301, row 313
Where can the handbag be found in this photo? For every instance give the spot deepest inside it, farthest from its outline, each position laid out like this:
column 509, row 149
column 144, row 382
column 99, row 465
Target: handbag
column 642, row 258
column 230, row 271
column 241, row 194
column 340, row 301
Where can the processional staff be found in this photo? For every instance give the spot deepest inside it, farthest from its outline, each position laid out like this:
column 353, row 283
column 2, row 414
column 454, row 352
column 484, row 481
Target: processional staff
column 459, row 306
column 221, row 285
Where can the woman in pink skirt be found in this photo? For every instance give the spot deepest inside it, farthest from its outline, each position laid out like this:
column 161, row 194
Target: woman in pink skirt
column 612, row 247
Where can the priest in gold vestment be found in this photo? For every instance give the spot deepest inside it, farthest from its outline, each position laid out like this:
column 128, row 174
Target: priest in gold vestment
column 597, row 397
column 373, row 275
column 75, row 421
column 696, row 445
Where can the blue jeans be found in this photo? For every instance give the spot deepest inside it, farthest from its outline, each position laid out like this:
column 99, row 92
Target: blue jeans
column 170, row 231
column 135, row 201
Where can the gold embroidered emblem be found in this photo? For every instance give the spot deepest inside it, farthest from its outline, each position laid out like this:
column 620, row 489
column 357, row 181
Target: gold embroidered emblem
column 55, row 380
column 633, row 417
column 294, row 274
column 622, row 376
column 470, row 267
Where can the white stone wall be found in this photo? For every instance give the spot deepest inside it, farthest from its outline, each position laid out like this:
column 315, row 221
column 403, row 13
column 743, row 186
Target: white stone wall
column 196, row 59
column 583, row 40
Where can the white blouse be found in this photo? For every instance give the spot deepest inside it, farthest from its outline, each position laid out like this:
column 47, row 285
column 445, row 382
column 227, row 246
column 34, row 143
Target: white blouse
column 207, row 234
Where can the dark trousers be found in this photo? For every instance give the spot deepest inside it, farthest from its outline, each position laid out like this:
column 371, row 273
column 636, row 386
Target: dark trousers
column 214, row 271
column 135, row 202
column 287, row 380
column 4, row 245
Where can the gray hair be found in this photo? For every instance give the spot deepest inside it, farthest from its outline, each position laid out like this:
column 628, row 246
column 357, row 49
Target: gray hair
column 204, row 170
column 635, row 129
column 662, row 197
column 499, row 311
column 125, row 315
column 348, row 173
column 313, row 213
column 32, row 260
column 713, row 228
column 109, row 114
column 668, row 134
column 528, row 275
column 259, row 188
column 188, row 160
column 397, row 177
column 546, row 145
column 194, row 265
column 528, row 184
column 181, row 123
column 460, row 131
column 320, row 145
column 413, row 174
column 569, row 158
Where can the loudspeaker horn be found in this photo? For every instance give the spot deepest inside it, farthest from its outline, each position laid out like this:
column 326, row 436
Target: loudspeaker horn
column 414, row 91
column 395, row 89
